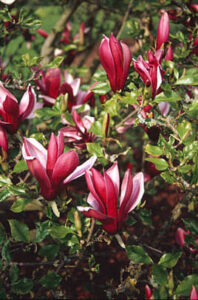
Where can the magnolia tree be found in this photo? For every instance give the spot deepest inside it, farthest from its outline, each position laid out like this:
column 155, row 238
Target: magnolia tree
column 99, row 150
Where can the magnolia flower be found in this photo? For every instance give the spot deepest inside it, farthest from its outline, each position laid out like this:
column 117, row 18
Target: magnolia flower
column 51, row 87
column 79, row 134
column 53, row 168
column 115, row 58
column 162, row 30
column 193, row 293
column 8, row 2
column 148, row 292
column 180, row 238
column 13, row 113
column 104, row 195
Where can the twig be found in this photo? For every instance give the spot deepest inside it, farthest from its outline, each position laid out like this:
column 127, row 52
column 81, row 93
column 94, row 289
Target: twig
column 125, row 119
column 47, row 48
column 91, row 230
column 124, row 19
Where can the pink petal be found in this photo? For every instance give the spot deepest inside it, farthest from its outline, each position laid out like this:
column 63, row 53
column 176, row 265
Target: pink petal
column 193, row 294
column 38, row 105
column 111, row 199
column 88, row 121
column 163, row 30
column 71, row 133
column 53, row 81
column 99, row 184
column 126, row 188
column 114, row 174
column 42, row 32
column 169, row 54
column 127, row 62
column 65, row 165
column 68, row 77
column 60, row 142
column 78, row 121
column 75, row 86
column 91, row 213
column 117, row 54
column 48, row 100
column 137, row 192
column 94, row 203
column 180, row 237
column 80, row 170
column 27, row 103
column 4, row 92
column 164, row 108
column 107, row 61
column 33, row 149
column 142, row 71
column 11, row 107
column 3, row 139
column 148, row 292
column 52, row 154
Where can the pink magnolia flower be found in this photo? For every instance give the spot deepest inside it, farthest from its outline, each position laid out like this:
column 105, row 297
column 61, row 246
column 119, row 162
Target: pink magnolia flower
column 104, row 195
column 163, row 31
column 79, row 134
column 53, row 168
column 3, row 139
column 150, row 71
column 180, row 238
column 115, row 58
column 194, row 293
column 51, row 87
column 148, row 292
column 169, row 53
column 13, row 113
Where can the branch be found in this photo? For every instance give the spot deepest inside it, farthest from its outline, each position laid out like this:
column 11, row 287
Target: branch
column 47, row 48
column 124, row 19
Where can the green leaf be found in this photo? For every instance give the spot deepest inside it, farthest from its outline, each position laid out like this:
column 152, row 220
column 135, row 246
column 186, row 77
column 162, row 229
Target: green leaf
column 2, row 234
column 184, row 129
column 96, row 127
column 112, row 106
column 159, row 163
column 4, row 194
column 145, row 216
column 4, row 180
column 5, row 252
column 190, row 78
column 22, row 286
column 153, row 150
column 169, row 260
column 19, row 205
column 184, row 169
column 50, row 251
column 19, row 231
column 137, row 254
column 50, row 281
column 191, row 150
column 131, row 98
column 95, row 149
column 160, row 274
column 58, row 231
column 56, row 62
column 191, row 225
column 42, row 231
column 169, row 176
column 14, row 273
column 167, row 96
column 101, row 88
column 185, row 286
column 20, row 166
column 193, row 109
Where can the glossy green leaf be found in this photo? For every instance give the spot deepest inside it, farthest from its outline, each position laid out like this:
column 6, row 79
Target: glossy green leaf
column 22, row 286
column 160, row 274
column 42, row 231
column 4, row 180
column 4, row 194
column 50, row 281
column 58, row 231
column 159, row 163
column 184, row 288
column 20, row 166
column 19, row 231
column 56, row 62
column 167, row 96
column 153, row 150
column 190, row 78
column 95, row 149
column 101, row 88
column 137, row 254
column 19, row 205
column 184, row 129
column 50, row 251
column 169, row 260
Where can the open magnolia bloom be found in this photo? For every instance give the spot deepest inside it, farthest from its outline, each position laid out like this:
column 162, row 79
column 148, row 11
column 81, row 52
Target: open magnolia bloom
column 13, row 113
column 104, row 195
column 52, row 168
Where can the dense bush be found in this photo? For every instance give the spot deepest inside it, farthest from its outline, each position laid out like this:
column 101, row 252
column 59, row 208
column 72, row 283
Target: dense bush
column 99, row 150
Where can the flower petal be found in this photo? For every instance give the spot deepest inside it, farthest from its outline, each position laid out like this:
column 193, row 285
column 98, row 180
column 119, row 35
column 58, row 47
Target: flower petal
column 33, row 149
column 3, row 139
column 27, row 103
column 127, row 62
column 91, row 213
column 111, row 199
column 52, row 154
column 137, row 192
column 53, row 81
column 164, row 108
column 114, row 174
column 116, row 51
column 65, row 165
column 80, row 170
